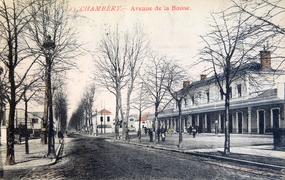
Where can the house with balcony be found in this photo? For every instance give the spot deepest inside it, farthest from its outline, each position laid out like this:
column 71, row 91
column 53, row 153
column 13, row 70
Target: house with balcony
column 256, row 101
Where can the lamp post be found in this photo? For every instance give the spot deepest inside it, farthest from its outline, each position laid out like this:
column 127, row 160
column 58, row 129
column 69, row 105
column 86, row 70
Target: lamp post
column 48, row 47
column 1, row 104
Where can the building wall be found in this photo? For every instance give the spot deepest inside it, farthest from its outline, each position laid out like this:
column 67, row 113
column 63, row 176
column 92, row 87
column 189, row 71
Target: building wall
column 107, row 120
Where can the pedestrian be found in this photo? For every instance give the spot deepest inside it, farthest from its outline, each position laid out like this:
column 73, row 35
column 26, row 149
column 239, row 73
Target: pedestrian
column 190, row 129
column 60, row 136
column 145, row 130
column 150, row 135
column 194, row 131
column 163, row 135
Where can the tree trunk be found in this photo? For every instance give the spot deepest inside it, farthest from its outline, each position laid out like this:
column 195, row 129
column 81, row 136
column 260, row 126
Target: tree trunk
column 10, row 157
column 117, row 117
column 156, row 130
column 140, row 131
column 26, row 127
column 227, row 107
column 180, row 126
column 124, row 121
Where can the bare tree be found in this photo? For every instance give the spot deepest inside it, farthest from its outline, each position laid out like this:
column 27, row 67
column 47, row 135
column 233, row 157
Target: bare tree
column 112, row 68
column 29, row 92
column 76, row 119
column 87, row 104
column 60, row 109
column 175, row 74
column 141, row 103
column 120, row 57
column 83, row 113
column 51, row 24
column 136, row 49
column 269, row 15
column 155, row 79
column 14, row 19
column 233, row 42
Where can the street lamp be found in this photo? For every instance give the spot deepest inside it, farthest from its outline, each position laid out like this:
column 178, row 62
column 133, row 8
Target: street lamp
column 48, row 47
column 1, row 104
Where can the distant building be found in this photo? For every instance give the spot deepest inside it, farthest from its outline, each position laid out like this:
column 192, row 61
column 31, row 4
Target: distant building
column 34, row 123
column 131, row 122
column 103, row 122
column 143, row 120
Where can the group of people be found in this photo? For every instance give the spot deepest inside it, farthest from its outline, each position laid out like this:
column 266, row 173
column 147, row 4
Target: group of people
column 193, row 129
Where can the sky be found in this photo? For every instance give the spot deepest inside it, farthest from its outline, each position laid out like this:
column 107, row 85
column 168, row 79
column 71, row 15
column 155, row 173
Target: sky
column 174, row 33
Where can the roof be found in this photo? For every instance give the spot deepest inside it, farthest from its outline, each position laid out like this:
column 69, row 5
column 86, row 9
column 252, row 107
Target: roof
column 105, row 111
column 266, row 94
column 209, row 80
column 39, row 114
column 144, row 118
column 248, row 67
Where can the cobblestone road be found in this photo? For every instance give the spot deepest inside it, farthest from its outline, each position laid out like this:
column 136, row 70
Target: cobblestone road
column 92, row 158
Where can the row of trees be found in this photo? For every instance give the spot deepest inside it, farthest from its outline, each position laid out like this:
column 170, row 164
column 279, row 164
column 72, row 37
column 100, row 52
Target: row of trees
column 81, row 118
column 25, row 26
column 124, row 61
column 235, row 35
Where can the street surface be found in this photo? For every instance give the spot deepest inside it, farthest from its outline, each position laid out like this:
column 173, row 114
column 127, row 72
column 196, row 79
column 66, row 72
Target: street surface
column 86, row 157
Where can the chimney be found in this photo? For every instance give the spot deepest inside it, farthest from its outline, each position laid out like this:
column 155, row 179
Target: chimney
column 265, row 59
column 186, row 84
column 203, row 76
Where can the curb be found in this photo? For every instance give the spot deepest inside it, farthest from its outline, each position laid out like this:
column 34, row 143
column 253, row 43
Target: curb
column 57, row 153
column 274, row 167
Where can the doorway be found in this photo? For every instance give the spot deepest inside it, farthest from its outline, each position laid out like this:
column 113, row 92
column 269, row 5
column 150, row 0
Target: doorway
column 230, row 123
column 240, row 122
column 208, row 124
column 222, row 123
column 261, row 122
column 201, row 124
column 275, row 114
column 193, row 120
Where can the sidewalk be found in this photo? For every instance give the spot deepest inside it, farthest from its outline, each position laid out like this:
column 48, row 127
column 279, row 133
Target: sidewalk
column 246, row 148
column 35, row 158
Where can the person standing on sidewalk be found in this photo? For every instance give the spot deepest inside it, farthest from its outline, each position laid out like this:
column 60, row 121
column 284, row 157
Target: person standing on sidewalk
column 163, row 134
column 194, row 131
column 190, row 130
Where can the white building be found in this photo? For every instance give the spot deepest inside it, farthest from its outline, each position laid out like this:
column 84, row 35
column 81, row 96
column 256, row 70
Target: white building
column 103, row 122
column 256, row 102
column 143, row 121
column 131, row 122
column 34, row 123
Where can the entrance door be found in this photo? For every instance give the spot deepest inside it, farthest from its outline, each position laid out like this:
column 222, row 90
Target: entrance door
column 275, row 118
column 261, row 122
column 177, row 124
column 239, row 122
column 201, row 124
column 208, row 124
column 222, row 123
column 193, row 120
column 230, row 123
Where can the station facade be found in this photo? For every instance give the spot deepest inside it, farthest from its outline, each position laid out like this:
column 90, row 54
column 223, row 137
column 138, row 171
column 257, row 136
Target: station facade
column 256, row 102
